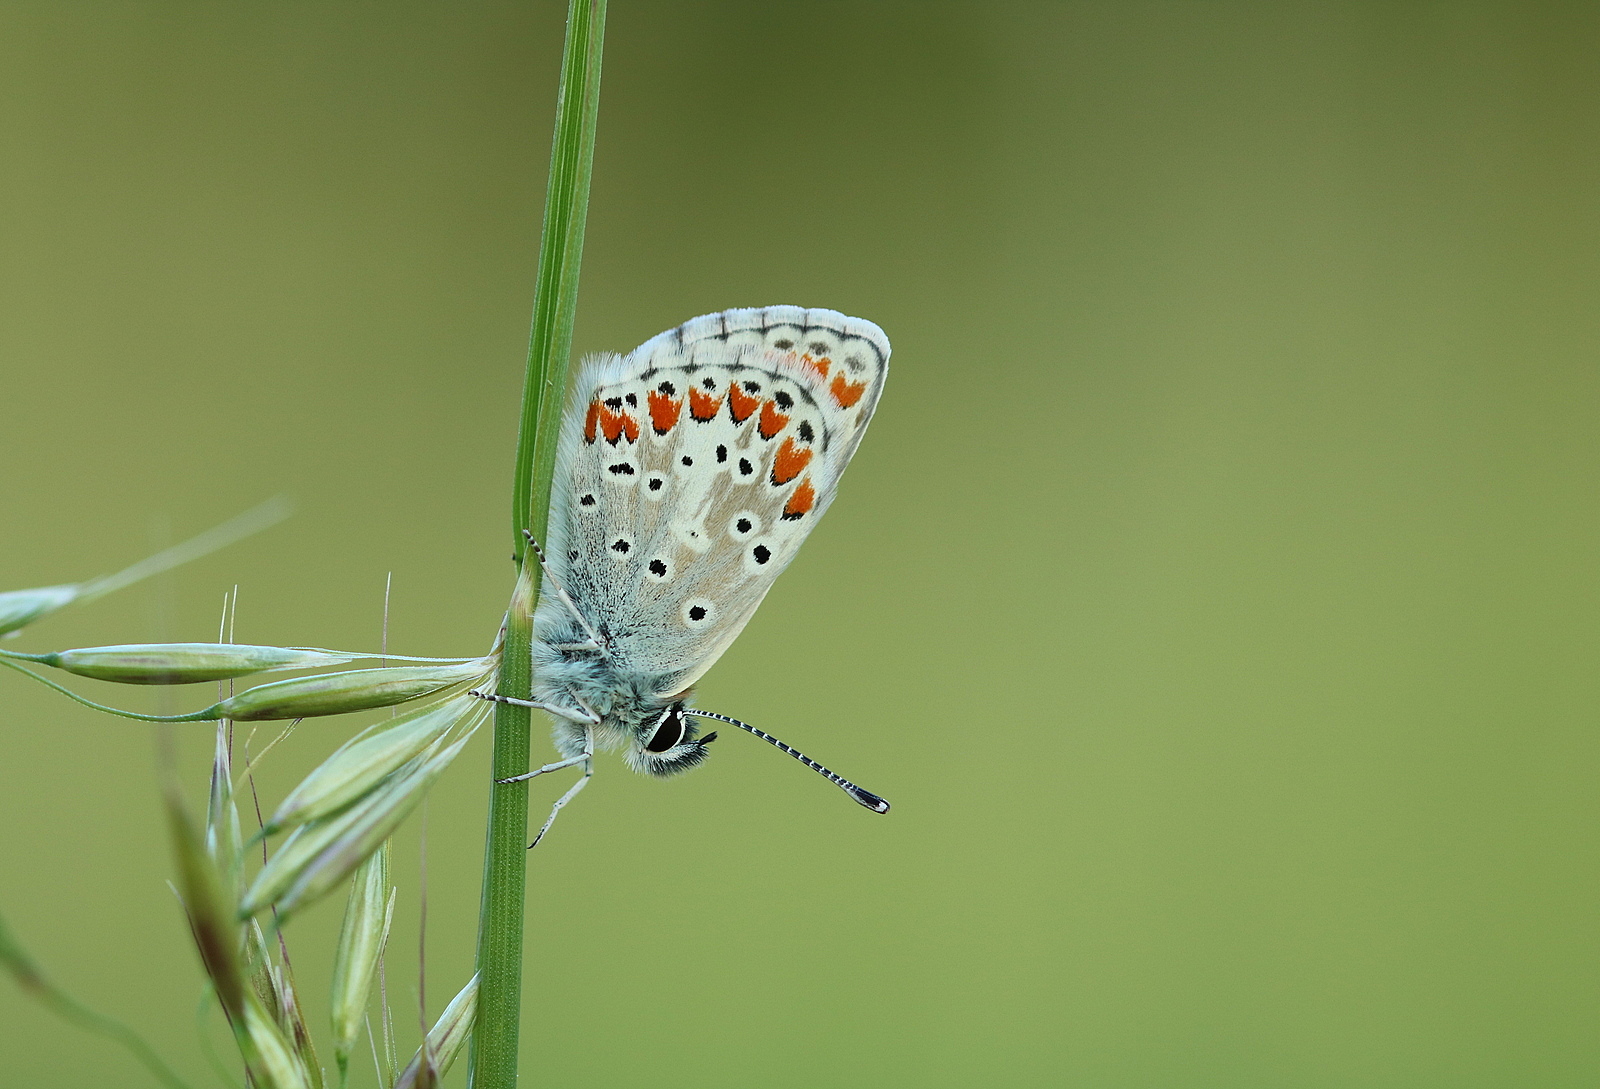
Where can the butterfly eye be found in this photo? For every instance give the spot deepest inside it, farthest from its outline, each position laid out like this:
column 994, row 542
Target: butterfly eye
column 668, row 733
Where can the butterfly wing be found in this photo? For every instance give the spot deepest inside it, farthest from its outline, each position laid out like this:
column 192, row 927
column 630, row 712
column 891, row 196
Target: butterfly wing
column 691, row 469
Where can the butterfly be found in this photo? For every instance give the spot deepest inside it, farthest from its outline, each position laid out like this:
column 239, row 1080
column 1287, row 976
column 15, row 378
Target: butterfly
column 687, row 475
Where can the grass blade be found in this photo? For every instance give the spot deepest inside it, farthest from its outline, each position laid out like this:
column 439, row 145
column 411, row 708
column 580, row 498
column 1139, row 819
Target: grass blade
column 493, row 1058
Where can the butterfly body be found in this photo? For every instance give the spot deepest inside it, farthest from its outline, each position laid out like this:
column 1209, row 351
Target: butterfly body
column 688, row 474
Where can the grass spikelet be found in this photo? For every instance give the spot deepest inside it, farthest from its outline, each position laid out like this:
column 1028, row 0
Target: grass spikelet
column 362, row 762
column 273, row 983
column 263, row 977
column 362, row 938
column 319, row 855
column 214, row 925
column 277, row 1065
column 445, row 1040
column 19, row 608
column 223, row 836
column 341, row 693
column 182, row 663
column 217, row 935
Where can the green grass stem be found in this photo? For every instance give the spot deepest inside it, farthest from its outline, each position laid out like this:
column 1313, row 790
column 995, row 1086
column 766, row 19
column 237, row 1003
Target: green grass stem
column 493, row 1059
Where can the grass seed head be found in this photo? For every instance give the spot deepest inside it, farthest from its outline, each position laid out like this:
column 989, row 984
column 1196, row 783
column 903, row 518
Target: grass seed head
column 258, row 957
column 445, row 1039
column 276, row 1064
column 364, row 761
column 272, row 981
column 222, row 834
column 184, row 663
column 340, row 693
column 19, row 608
column 362, row 938
column 214, row 926
column 319, row 855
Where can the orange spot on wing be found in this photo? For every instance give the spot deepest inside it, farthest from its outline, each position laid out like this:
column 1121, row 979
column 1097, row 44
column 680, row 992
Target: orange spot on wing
column 590, row 421
column 846, row 393
column 703, row 406
column 772, row 421
column 801, row 500
column 740, row 403
column 614, row 424
column 664, row 411
column 820, row 366
column 790, row 460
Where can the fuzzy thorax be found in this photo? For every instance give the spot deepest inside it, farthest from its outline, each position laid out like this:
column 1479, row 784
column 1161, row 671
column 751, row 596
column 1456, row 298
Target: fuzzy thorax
column 655, row 737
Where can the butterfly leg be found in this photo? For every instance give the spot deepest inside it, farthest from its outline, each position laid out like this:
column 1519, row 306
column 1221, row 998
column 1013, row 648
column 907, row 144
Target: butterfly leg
column 575, row 714
column 557, row 766
column 595, row 641
column 587, row 759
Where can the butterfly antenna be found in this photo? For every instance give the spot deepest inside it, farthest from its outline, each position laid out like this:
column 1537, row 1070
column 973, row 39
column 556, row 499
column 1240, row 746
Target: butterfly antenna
column 864, row 797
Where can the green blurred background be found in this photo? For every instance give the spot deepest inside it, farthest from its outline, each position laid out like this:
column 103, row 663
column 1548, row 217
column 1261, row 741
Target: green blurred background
column 1215, row 595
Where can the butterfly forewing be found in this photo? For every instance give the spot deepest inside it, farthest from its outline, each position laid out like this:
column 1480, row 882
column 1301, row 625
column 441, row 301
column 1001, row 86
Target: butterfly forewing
column 691, row 470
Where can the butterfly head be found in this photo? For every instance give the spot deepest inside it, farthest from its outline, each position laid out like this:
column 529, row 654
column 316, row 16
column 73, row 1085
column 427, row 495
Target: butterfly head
column 667, row 743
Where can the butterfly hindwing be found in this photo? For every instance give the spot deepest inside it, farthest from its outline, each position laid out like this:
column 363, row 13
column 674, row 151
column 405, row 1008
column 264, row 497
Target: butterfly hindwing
column 690, row 471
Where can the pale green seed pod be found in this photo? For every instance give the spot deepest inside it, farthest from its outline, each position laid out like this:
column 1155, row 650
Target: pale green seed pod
column 319, row 855
column 446, row 1038
column 276, row 1063
column 222, row 831
column 339, row 693
column 212, row 922
column 273, row 984
column 184, row 663
column 258, row 962
column 19, row 608
column 362, row 938
column 365, row 760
